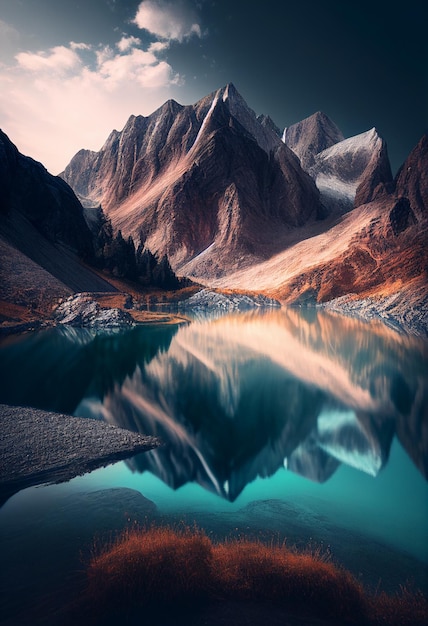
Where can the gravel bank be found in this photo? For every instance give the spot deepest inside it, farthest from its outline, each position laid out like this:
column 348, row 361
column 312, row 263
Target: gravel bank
column 38, row 446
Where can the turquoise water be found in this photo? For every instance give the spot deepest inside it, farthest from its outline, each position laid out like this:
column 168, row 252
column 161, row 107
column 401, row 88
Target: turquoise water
column 325, row 414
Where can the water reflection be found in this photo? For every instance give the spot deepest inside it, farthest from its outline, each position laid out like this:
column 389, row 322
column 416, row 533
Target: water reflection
column 240, row 396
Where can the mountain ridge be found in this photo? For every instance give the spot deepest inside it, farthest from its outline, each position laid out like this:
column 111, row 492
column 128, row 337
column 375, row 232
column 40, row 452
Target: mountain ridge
column 212, row 190
column 215, row 155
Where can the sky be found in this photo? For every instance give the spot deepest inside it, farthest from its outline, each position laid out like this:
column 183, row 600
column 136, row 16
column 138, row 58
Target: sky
column 71, row 72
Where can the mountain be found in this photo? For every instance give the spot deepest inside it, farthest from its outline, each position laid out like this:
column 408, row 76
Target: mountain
column 348, row 172
column 206, row 184
column 44, row 237
column 213, row 191
column 352, row 172
column 311, row 136
column 376, row 251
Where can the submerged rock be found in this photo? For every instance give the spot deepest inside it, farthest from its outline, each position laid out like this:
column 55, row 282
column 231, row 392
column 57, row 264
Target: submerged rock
column 82, row 310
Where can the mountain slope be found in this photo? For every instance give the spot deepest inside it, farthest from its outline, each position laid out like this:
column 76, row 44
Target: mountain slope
column 208, row 184
column 42, row 227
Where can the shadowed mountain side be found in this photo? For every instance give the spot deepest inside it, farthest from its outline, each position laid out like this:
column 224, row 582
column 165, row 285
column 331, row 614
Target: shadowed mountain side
column 323, row 401
column 45, row 200
column 43, row 227
column 54, row 259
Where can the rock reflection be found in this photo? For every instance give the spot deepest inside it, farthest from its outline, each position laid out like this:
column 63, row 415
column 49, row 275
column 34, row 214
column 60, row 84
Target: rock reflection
column 240, row 396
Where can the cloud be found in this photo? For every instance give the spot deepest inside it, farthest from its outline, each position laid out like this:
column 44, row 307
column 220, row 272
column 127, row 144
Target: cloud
column 128, row 42
column 59, row 59
column 167, row 20
column 54, row 102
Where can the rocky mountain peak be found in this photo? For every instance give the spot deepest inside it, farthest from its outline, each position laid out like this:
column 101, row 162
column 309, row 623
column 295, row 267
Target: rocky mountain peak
column 199, row 183
column 267, row 122
column 265, row 136
column 311, row 136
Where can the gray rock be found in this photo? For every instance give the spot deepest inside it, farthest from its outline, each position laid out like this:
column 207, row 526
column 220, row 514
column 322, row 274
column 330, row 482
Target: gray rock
column 206, row 298
column 39, row 446
column 82, row 310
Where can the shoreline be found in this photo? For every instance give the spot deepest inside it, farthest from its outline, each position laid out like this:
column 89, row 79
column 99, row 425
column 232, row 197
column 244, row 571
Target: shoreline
column 39, row 447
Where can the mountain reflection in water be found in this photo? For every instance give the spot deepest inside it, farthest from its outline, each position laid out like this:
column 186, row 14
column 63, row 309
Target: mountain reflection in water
column 240, row 396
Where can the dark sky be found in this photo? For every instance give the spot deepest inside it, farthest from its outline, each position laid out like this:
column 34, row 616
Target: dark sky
column 363, row 63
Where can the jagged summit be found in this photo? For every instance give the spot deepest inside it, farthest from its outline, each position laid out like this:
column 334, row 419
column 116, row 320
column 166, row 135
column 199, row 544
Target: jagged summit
column 311, row 136
column 207, row 184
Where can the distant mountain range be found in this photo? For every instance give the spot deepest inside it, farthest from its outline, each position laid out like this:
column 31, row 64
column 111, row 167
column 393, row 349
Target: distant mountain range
column 304, row 215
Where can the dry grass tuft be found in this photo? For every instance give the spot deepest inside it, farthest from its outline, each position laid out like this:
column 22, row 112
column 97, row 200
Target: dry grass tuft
column 146, row 567
column 162, row 566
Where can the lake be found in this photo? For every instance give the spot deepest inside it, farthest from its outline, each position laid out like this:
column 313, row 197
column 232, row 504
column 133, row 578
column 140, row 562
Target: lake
column 283, row 423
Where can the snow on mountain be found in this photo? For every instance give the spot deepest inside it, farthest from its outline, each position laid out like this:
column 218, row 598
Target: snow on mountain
column 341, row 169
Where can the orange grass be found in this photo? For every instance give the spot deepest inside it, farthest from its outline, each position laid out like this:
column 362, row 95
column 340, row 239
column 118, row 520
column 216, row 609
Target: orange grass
column 161, row 565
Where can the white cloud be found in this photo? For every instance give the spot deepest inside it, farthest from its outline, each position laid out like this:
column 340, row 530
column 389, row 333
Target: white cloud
column 58, row 59
column 128, row 42
column 167, row 20
column 158, row 46
column 55, row 102
column 79, row 46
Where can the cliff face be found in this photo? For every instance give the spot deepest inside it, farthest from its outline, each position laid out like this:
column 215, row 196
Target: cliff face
column 412, row 179
column 208, row 184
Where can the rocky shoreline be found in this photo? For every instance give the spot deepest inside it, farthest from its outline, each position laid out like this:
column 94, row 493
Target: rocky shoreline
column 393, row 311
column 39, row 446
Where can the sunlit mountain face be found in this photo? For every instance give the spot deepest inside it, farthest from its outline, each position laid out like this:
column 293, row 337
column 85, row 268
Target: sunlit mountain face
column 240, row 396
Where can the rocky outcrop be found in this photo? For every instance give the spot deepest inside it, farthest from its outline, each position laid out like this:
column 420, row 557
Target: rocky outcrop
column 39, row 447
column 207, row 185
column 207, row 299
column 81, row 310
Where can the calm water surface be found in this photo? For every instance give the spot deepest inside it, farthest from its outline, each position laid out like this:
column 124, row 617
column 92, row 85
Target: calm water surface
column 300, row 422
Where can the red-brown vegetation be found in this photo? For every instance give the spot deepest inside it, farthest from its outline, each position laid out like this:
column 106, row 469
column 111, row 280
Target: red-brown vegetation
column 161, row 567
